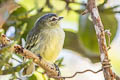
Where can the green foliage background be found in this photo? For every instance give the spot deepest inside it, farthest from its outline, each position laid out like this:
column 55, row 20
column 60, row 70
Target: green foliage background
column 83, row 40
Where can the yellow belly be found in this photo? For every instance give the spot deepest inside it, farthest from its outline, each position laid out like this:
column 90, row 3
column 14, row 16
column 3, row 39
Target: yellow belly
column 50, row 46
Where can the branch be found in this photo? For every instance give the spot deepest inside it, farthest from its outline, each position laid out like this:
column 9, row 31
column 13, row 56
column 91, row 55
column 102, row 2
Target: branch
column 99, row 28
column 14, row 69
column 49, row 68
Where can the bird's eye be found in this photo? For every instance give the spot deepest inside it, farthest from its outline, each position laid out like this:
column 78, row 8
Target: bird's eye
column 53, row 19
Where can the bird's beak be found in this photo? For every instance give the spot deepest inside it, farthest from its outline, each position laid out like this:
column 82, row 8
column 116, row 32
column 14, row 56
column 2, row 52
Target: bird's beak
column 60, row 18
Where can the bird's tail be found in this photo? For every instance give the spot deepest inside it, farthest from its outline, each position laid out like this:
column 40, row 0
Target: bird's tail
column 28, row 71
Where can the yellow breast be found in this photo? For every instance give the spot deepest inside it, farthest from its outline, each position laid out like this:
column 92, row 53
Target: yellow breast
column 50, row 44
column 54, row 45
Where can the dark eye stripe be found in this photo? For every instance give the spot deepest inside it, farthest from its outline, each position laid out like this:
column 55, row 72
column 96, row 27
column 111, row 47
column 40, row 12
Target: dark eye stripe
column 53, row 19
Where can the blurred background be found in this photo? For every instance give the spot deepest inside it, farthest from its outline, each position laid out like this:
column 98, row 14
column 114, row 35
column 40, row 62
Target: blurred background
column 81, row 51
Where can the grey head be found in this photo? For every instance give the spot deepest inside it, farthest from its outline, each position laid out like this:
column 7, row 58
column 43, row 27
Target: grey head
column 49, row 20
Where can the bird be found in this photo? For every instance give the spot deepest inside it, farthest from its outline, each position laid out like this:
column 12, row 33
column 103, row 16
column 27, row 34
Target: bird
column 45, row 39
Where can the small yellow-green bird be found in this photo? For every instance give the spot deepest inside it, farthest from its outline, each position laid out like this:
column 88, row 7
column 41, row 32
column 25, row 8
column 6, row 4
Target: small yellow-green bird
column 46, row 39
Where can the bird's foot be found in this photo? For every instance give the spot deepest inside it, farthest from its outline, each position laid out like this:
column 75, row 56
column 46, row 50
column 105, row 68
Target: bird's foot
column 57, row 69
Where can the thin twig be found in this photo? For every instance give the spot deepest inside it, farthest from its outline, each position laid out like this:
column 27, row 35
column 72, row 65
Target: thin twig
column 16, row 60
column 14, row 69
column 108, row 35
column 88, row 70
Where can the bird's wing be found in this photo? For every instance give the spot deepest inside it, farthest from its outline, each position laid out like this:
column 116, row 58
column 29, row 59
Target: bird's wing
column 31, row 39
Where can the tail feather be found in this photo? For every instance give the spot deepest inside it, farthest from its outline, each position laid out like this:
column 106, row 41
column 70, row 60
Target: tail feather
column 28, row 71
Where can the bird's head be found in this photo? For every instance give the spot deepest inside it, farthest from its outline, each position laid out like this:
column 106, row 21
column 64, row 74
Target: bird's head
column 49, row 20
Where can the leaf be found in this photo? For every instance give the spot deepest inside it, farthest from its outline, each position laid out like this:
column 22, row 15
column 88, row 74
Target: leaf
column 59, row 62
column 30, row 4
column 38, row 76
column 98, row 2
column 20, row 16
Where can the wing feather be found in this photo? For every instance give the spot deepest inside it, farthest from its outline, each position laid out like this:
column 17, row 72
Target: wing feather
column 31, row 39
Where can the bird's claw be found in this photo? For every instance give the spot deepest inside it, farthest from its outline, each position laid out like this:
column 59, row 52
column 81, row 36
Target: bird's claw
column 57, row 69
